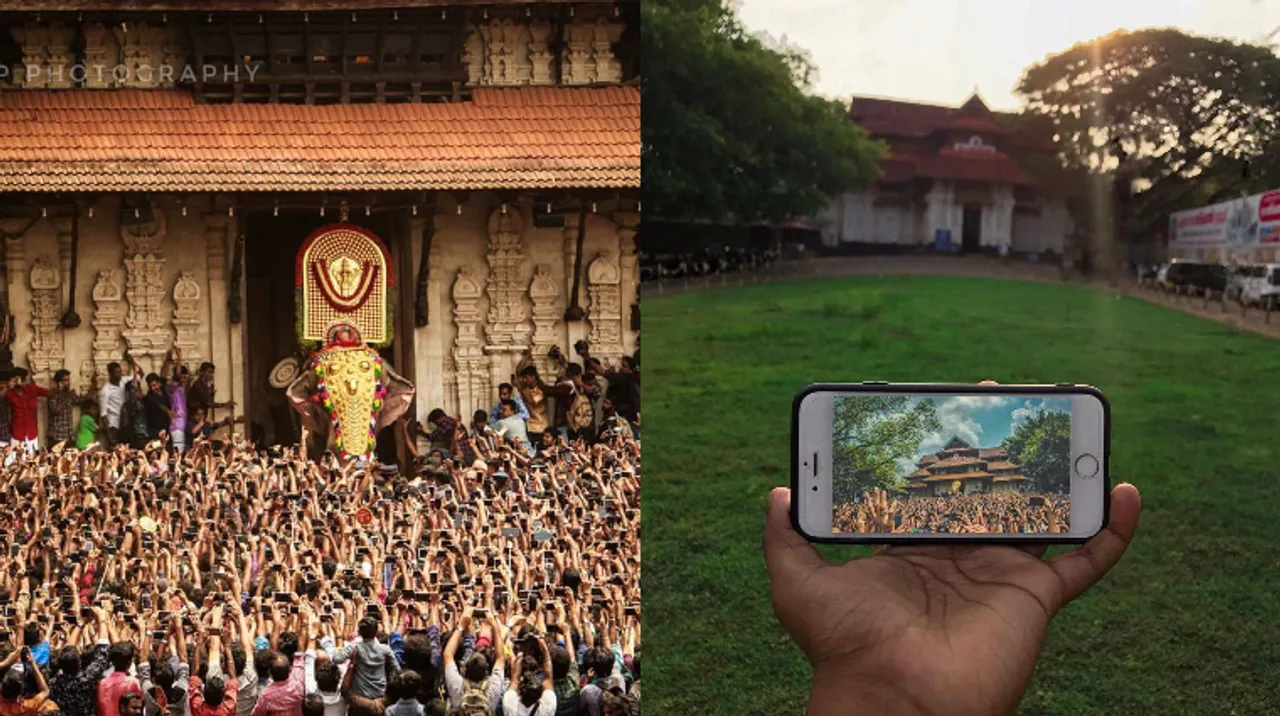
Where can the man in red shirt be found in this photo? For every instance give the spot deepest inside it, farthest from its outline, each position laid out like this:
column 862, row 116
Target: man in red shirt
column 119, row 682
column 22, row 397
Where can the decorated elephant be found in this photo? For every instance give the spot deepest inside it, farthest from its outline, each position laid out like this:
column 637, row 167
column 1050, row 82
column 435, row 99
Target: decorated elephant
column 347, row 392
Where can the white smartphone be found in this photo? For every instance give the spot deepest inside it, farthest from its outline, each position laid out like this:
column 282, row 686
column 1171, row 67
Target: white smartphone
column 904, row 463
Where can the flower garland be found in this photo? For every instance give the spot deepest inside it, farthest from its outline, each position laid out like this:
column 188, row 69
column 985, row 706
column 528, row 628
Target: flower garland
column 323, row 399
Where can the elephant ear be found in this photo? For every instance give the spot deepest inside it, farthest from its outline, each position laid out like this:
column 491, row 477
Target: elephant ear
column 399, row 395
column 299, row 393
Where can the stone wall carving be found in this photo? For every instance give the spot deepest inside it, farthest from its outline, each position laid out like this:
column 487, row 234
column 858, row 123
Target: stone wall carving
column 47, row 352
column 507, row 328
column 100, row 50
column 144, row 49
column 506, row 51
column 605, row 310
column 588, row 55
column 473, row 56
column 540, row 56
column 124, row 55
column 108, row 322
column 145, row 332
column 470, row 372
column 546, row 314
column 34, row 40
column 186, row 317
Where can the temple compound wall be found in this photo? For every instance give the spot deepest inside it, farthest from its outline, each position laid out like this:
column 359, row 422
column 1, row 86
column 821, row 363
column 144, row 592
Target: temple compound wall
column 496, row 286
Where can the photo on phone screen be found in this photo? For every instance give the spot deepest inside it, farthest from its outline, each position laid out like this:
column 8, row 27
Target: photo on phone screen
column 951, row 465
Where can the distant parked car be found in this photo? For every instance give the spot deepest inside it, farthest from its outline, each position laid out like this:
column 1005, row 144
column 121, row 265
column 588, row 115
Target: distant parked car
column 1262, row 286
column 1237, row 278
column 1194, row 275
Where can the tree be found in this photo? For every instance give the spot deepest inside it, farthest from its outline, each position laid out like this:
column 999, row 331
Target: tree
column 1189, row 120
column 727, row 129
column 1041, row 446
column 871, row 437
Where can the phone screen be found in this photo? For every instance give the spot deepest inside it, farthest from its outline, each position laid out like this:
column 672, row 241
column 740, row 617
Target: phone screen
column 950, row 464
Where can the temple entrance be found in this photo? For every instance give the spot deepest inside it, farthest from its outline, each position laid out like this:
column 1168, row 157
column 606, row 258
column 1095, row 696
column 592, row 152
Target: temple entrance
column 971, row 228
column 271, row 249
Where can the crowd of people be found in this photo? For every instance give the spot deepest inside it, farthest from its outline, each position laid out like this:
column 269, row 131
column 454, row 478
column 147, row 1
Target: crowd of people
column 127, row 408
column 974, row 513
column 149, row 566
column 589, row 401
column 707, row 262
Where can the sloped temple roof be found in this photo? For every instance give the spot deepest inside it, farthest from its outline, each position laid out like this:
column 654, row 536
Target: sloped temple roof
column 140, row 140
column 896, row 119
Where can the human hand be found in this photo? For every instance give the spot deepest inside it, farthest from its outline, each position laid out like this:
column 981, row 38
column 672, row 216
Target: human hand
column 918, row 629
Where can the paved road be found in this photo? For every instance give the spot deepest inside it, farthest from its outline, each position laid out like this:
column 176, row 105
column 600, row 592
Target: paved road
column 975, row 266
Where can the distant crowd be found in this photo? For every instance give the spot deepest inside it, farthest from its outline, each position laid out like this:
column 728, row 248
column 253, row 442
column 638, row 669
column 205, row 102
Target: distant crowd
column 706, row 262
column 976, row 513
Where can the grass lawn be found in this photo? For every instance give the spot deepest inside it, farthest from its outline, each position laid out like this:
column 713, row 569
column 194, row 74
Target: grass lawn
column 1188, row 623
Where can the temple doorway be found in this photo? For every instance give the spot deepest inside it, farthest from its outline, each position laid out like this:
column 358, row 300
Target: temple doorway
column 971, row 228
column 271, row 249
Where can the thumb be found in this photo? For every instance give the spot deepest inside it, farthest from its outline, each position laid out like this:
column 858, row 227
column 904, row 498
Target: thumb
column 789, row 557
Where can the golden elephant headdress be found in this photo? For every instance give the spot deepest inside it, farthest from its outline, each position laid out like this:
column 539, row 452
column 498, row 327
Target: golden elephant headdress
column 344, row 277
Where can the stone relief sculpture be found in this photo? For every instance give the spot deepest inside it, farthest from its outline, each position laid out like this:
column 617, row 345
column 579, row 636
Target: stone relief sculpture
column 546, row 314
column 605, row 310
column 145, row 334
column 507, row 328
column 186, row 316
column 504, row 51
column 108, row 320
column 473, row 56
column 47, row 352
column 471, row 377
column 540, row 56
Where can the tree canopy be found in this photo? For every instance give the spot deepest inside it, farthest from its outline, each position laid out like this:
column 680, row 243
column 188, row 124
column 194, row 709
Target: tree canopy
column 728, row 128
column 1041, row 446
column 1190, row 119
column 871, row 438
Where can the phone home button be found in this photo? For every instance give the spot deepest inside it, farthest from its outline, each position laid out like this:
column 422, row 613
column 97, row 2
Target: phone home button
column 1087, row 466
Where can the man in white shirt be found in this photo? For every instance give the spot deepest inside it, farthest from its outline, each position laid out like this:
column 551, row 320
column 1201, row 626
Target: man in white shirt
column 512, row 427
column 111, row 399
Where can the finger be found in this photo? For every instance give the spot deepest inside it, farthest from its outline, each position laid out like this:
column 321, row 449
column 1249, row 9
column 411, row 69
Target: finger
column 788, row 556
column 987, row 382
column 1079, row 569
column 1035, row 550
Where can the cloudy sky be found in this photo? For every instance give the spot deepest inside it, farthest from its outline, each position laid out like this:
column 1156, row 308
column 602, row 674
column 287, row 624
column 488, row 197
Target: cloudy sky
column 983, row 421
column 938, row 50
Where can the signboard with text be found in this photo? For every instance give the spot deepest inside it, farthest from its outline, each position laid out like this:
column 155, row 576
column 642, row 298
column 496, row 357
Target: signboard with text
column 1250, row 221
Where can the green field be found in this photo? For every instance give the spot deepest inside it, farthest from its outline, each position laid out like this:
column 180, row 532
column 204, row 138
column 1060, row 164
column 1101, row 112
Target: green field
column 1188, row 623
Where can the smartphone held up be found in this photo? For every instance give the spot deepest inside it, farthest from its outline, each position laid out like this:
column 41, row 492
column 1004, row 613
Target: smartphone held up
column 909, row 463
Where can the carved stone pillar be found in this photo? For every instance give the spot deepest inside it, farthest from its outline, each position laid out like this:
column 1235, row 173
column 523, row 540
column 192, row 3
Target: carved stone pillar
column 108, row 322
column 60, row 57
column 47, row 352
column 507, row 329
column 215, row 240
column 540, row 56
column 15, row 253
column 577, row 65
column 145, row 333
column 470, row 374
column 186, row 317
column 605, row 35
column 473, row 56
column 605, row 310
column 628, row 224
column 546, row 312
column 99, row 56
column 34, row 39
